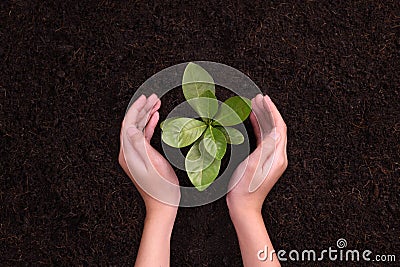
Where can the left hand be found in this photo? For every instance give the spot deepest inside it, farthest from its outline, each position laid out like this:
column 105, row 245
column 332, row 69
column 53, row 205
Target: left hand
column 259, row 172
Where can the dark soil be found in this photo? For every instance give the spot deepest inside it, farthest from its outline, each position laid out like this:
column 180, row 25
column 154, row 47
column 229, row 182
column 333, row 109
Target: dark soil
column 69, row 68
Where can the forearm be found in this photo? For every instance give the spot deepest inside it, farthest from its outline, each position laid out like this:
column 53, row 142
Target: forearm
column 253, row 237
column 154, row 247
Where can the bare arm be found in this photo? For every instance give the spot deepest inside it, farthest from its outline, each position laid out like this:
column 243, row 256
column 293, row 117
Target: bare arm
column 255, row 177
column 154, row 247
column 253, row 237
column 147, row 169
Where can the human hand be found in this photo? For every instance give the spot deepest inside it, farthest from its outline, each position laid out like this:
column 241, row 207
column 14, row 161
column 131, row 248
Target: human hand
column 154, row 178
column 151, row 173
column 255, row 176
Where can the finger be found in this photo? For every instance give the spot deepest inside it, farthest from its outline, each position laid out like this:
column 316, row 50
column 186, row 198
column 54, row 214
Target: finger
column 256, row 127
column 257, row 112
column 133, row 111
column 262, row 113
column 128, row 138
column 267, row 148
column 279, row 122
column 156, row 107
column 268, row 165
column 150, row 103
column 241, row 170
column 262, row 175
column 137, row 144
column 151, row 125
column 149, row 131
column 268, row 115
column 281, row 148
column 145, row 113
column 130, row 121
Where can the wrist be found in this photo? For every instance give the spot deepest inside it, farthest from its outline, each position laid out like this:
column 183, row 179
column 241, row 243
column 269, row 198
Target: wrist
column 242, row 208
column 167, row 213
column 244, row 214
column 160, row 220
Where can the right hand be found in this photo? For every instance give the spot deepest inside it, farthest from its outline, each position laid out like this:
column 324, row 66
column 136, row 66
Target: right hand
column 151, row 173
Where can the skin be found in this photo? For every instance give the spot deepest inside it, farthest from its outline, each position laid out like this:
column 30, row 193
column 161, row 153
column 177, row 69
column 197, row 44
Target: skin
column 245, row 206
column 142, row 163
column 139, row 124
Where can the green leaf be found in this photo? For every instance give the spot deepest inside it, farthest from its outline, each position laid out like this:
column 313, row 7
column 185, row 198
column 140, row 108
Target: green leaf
column 197, row 159
column 232, row 135
column 214, row 142
column 206, row 167
column 233, row 111
column 196, row 81
column 206, row 105
column 181, row 132
column 166, row 121
column 208, row 94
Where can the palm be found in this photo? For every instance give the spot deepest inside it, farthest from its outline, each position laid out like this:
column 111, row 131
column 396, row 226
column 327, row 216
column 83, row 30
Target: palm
column 260, row 171
column 151, row 173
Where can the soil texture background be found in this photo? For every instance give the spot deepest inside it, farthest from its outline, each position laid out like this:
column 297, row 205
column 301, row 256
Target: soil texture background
column 69, row 68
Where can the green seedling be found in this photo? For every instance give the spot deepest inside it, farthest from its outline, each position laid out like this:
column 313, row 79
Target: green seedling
column 209, row 135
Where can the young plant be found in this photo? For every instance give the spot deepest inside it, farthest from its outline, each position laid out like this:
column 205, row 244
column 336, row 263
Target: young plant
column 212, row 133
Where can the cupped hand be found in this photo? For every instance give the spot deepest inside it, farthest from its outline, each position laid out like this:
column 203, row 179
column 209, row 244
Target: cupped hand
column 151, row 173
column 257, row 174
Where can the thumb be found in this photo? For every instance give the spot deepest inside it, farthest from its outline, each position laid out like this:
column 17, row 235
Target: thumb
column 267, row 156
